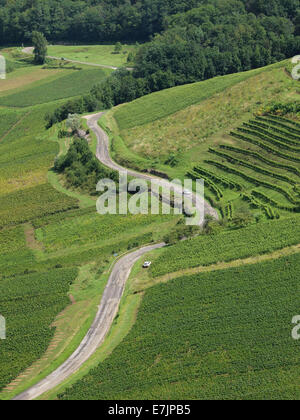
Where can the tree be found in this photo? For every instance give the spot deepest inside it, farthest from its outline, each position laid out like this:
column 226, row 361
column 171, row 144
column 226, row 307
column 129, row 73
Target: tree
column 118, row 47
column 73, row 122
column 40, row 47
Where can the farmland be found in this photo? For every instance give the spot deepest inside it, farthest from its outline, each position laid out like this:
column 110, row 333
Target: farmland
column 8, row 119
column 74, row 84
column 219, row 335
column 248, row 162
column 30, row 304
column 97, row 54
column 47, row 240
column 227, row 246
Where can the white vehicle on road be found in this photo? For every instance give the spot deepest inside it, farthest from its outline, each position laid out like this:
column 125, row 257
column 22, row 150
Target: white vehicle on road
column 147, row 264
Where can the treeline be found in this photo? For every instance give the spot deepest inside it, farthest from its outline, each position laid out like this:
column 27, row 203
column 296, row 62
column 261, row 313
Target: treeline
column 86, row 20
column 130, row 20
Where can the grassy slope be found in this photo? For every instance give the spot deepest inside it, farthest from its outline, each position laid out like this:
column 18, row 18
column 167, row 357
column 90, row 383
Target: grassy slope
column 194, row 372
column 254, row 240
column 222, row 335
column 98, row 54
column 188, row 120
column 93, row 255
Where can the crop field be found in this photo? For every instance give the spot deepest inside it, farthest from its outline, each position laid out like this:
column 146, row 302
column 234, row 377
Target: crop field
column 53, row 246
column 93, row 228
column 30, row 304
column 25, row 152
column 8, row 119
column 97, row 54
column 189, row 130
column 33, row 203
column 74, row 84
column 265, row 173
column 219, row 335
column 242, row 243
column 45, row 237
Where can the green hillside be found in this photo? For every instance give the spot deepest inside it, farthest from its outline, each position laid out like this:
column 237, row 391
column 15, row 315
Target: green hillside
column 209, row 130
column 220, row 335
column 212, row 316
column 51, row 244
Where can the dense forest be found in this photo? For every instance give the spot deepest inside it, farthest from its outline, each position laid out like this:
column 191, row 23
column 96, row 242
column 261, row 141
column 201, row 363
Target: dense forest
column 136, row 20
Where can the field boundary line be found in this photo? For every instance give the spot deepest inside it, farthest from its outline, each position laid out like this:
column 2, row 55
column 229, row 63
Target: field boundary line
column 284, row 252
column 14, row 126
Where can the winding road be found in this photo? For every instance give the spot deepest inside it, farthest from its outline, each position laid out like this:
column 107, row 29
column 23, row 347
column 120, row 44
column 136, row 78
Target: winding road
column 115, row 286
column 103, row 154
column 107, row 311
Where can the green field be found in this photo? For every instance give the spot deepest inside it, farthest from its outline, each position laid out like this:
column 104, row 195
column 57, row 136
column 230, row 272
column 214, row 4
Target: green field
column 74, row 84
column 221, row 335
column 30, row 304
column 97, row 54
column 231, row 245
column 8, row 119
column 51, row 245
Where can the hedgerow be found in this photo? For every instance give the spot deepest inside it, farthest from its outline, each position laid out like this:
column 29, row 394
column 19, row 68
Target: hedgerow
column 25, row 205
column 208, row 183
column 282, row 138
column 270, row 213
column 255, row 168
column 255, row 181
column 281, row 122
column 228, row 183
column 260, row 195
column 285, row 132
column 269, row 139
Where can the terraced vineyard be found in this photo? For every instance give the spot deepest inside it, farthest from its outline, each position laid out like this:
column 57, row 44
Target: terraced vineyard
column 259, row 165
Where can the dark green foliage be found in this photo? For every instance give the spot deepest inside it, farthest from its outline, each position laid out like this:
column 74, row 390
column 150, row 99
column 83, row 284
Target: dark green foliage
column 81, row 167
column 40, row 47
column 198, row 41
column 74, row 84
